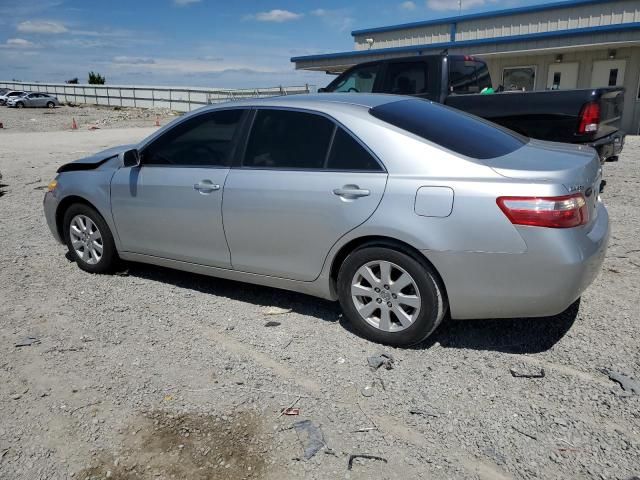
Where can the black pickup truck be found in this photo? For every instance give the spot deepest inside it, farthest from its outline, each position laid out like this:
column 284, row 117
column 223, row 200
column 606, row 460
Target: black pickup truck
column 590, row 116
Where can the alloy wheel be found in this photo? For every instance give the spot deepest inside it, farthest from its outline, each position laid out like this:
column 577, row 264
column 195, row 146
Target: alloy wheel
column 386, row 296
column 86, row 239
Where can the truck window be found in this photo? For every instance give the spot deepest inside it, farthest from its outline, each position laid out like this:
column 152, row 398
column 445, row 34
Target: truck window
column 452, row 129
column 519, row 78
column 408, row 78
column 359, row 80
column 468, row 76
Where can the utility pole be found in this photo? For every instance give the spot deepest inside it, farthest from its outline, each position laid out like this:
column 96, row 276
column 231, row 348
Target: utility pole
column 459, row 7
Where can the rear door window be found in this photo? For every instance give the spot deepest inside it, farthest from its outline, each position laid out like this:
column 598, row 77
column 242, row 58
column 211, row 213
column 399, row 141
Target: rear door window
column 468, row 76
column 348, row 154
column 285, row 139
column 452, row 129
column 358, row 80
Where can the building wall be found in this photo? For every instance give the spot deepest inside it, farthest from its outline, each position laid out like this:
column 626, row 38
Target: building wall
column 551, row 21
column 415, row 36
column 585, row 60
column 555, row 20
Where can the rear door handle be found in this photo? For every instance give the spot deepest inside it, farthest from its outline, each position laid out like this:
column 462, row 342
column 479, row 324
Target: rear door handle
column 351, row 191
column 205, row 186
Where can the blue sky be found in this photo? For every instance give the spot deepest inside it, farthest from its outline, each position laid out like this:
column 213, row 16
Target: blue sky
column 216, row 43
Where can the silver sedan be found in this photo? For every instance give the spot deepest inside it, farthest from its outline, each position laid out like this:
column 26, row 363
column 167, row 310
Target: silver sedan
column 399, row 208
column 34, row 99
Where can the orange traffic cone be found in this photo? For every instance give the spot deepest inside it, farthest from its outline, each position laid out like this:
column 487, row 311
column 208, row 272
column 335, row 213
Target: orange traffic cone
column 157, row 120
column 74, row 125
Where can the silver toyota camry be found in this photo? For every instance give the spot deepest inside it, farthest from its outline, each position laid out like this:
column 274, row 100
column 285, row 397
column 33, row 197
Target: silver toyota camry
column 401, row 209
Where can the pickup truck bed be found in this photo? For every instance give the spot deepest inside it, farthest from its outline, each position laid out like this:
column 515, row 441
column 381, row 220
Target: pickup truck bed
column 589, row 116
column 552, row 115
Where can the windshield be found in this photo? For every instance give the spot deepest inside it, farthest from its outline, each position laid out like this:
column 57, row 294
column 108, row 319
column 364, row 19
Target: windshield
column 357, row 80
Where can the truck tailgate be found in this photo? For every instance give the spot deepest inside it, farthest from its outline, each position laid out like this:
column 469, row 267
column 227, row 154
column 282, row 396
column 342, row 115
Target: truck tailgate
column 611, row 104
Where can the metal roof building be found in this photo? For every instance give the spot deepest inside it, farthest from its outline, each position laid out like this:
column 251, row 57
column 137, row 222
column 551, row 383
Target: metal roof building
column 569, row 44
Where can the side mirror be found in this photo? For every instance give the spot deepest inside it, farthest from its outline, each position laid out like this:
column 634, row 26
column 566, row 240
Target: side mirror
column 131, row 158
column 322, row 90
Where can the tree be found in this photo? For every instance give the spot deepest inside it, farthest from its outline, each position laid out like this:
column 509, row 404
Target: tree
column 96, row 79
column 73, row 81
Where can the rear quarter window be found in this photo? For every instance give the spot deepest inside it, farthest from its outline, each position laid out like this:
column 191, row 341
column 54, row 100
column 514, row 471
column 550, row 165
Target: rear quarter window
column 451, row 129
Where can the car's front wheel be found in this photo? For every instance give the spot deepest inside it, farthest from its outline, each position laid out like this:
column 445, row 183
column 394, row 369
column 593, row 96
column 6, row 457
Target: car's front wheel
column 20, row 105
column 389, row 296
column 89, row 239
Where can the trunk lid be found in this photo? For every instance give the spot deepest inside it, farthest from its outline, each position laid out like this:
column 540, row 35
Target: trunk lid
column 576, row 167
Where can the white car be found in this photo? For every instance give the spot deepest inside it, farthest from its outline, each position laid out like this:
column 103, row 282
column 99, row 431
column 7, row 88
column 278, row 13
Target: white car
column 33, row 99
column 9, row 95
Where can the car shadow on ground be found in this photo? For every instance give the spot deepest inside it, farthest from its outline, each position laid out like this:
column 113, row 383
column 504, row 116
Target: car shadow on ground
column 519, row 335
column 508, row 335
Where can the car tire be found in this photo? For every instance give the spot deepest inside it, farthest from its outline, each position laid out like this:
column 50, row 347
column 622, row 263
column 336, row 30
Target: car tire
column 411, row 289
column 50, row 104
column 20, row 105
column 89, row 239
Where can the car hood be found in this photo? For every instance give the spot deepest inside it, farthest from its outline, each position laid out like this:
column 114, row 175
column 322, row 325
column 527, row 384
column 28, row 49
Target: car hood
column 94, row 161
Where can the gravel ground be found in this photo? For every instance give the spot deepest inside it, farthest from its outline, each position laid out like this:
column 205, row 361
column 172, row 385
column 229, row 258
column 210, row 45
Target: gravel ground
column 160, row 374
column 86, row 116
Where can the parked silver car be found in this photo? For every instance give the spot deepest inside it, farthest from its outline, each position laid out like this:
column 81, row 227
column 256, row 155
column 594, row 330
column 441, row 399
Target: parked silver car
column 34, row 99
column 9, row 94
column 400, row 208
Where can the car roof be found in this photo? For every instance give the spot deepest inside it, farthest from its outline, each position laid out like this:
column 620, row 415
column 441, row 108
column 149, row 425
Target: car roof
column 317, row 101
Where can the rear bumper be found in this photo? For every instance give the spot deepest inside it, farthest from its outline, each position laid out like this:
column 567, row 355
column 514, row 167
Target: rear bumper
column 557, row 267
column 609, row 146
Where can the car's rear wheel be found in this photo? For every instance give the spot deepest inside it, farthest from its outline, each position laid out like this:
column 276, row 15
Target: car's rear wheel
column 20, row 105
column 89, row 239
column 50, row 104
column 389, row 296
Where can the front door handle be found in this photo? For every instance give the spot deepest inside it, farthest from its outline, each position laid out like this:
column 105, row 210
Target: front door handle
column 206, row 186
column 351, row 191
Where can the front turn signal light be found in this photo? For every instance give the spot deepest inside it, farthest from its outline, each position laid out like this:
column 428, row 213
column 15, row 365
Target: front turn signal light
column 52, row 185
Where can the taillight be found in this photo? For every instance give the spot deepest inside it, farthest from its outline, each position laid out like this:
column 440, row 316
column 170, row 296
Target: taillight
column 552, row 212
column 589, row 118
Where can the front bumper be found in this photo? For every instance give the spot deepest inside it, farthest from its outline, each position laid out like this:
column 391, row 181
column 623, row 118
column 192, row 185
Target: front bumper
column 50, row 204
column 557, row 267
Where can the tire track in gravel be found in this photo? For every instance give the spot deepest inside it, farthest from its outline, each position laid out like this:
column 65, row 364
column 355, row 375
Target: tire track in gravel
column 484, row 469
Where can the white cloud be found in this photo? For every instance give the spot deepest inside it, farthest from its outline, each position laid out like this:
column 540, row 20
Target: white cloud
column 338, row 19
column 18, row 43
column 123, row 59
column 408, row 6
column 175, row 65
column 442, row 5
column 277, row 16
column 41, row 26
column 184, row 3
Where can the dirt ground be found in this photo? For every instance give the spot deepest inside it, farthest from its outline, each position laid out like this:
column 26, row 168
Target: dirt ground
column 86, row 117
column 159, row 374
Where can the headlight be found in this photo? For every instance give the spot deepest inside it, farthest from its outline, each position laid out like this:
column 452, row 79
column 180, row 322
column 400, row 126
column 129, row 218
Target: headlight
column 52, row 185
